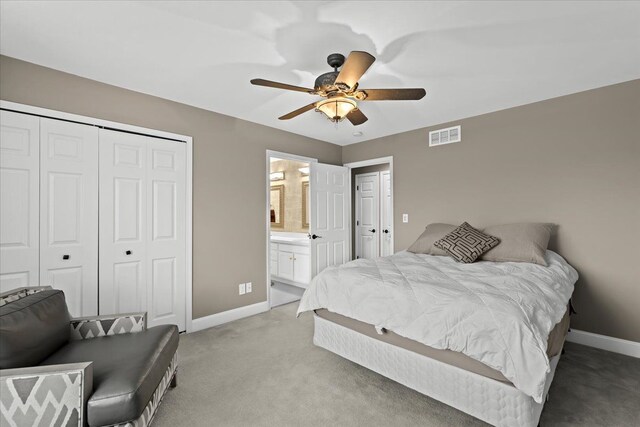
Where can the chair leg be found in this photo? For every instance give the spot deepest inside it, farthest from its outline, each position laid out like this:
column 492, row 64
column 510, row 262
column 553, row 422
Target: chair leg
column 174, row 381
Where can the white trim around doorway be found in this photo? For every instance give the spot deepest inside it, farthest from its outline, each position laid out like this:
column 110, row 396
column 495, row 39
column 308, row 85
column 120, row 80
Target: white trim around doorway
column 371, row 162
column 267, row 189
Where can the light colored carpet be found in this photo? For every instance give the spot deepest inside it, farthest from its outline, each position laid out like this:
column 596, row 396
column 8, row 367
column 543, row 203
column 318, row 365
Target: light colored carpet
column 265, row 371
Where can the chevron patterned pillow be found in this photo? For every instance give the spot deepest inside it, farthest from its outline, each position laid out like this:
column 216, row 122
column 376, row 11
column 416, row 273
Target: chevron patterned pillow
column 466, row 244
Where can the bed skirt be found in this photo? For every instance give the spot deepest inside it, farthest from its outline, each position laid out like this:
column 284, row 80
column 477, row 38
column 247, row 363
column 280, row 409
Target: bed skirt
column 492, row 401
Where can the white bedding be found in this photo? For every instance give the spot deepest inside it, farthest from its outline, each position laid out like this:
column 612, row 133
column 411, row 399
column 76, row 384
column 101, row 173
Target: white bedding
column 499, row 313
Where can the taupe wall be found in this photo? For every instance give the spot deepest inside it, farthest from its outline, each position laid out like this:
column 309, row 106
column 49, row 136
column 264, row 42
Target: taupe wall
column 573, row 161
column 229, row 230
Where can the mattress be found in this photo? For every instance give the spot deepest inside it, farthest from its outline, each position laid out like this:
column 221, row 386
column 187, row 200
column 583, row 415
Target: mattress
column 495, row 402
column 454, row 358
column 498, row 313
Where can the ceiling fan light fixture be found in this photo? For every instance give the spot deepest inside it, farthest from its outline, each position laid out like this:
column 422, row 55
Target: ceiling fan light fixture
column 341, row 90
column 336, row 109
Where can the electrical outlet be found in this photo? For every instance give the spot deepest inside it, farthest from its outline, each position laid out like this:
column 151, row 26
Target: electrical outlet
column 405, row 218
column 242, row 289
column 248, row 287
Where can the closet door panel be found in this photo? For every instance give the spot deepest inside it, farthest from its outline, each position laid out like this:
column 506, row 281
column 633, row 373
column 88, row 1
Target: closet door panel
column 19, row 200
column 123, row 211
column 129, row 287
column 386, row 211
column 367, row 215
column 69, row 212
column 69, row 280
column 167, row 244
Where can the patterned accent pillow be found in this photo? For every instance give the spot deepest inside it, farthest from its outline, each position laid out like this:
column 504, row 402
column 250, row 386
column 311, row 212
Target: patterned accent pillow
column 466, row 244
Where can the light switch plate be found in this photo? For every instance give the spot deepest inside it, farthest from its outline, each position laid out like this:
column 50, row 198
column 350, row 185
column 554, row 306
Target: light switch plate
column 405, row 218
column 242, row 289
column 249, row 287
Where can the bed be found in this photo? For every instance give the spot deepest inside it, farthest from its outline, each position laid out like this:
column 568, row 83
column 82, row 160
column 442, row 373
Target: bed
column 484, row 338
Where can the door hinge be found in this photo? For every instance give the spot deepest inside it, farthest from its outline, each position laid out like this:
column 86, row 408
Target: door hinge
column 357, row 222
column 357, row 187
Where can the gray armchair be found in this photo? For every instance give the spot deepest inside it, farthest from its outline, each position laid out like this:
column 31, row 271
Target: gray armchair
column 105, row 370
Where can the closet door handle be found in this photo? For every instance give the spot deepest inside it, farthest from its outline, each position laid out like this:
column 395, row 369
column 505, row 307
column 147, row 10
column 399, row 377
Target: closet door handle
column 385, row 231
column 315, row 236
column 128, row 252
column 373, row 230
column 65, row 257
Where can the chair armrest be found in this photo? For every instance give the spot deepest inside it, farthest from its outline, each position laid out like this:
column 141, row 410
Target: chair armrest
column 99, row 326
column 16, row 294
column 46, row 395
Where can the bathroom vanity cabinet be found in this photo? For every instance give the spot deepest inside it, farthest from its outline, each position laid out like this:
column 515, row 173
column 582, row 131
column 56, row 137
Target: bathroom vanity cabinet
column 291, row 260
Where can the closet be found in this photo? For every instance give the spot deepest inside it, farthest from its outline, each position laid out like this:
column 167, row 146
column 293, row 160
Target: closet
column 373, row 215
column 97, row 213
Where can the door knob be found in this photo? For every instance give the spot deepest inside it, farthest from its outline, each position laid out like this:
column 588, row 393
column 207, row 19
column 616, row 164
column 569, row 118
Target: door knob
column 65, row 257
column 128, row 252
column 315, row 236
column 385, row 231
column 373, row 230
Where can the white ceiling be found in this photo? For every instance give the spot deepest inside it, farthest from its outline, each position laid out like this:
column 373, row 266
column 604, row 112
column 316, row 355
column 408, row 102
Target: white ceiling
column 471, row 57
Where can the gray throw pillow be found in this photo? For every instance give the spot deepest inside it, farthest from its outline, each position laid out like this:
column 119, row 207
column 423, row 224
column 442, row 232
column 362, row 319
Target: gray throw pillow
column 525, row 242
column 432, row 233
column 466, row 244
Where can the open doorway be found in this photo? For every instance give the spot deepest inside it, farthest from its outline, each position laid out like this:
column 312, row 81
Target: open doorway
column 308, row 222
column 289, row 252
column 372, row 227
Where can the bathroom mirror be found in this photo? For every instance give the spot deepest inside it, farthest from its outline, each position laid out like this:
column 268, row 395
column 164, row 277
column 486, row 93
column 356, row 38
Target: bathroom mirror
column 305, row 204
column 277, row 206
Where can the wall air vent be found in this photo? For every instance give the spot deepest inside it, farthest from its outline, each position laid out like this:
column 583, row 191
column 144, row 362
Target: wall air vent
column 445, row 136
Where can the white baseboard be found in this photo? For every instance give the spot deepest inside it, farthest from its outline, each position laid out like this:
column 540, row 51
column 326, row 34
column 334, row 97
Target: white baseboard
column 616, row 345
column 604, row 342
column 228, row 316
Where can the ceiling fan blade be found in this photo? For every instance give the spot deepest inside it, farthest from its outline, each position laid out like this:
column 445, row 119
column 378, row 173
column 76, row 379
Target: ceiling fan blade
column 277, row 85
column 354, row 67
column 297, row 112
column 357, row 117
column 394, row 94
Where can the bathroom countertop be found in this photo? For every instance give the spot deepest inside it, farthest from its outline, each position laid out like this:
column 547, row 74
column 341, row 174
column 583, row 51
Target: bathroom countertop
column 299, row 239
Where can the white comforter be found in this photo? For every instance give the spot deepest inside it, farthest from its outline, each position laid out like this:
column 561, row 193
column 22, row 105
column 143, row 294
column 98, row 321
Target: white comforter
column 499, row 313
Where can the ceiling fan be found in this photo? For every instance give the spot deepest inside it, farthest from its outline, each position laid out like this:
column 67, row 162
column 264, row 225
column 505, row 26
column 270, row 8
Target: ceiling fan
column 340, row 88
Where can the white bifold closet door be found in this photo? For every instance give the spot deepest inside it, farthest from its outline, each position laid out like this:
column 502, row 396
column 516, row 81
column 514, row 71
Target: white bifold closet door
column 49, row 208
column 69, row 212
column 19, row 200
column 142, row 227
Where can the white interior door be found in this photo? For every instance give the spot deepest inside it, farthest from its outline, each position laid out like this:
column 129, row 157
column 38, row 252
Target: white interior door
column 166, row 249
column 329, row 226
column 69, row 212
column 367, row 215
column 386, row 214
column 123, row 219
column 19, row 200
column 143, row 227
